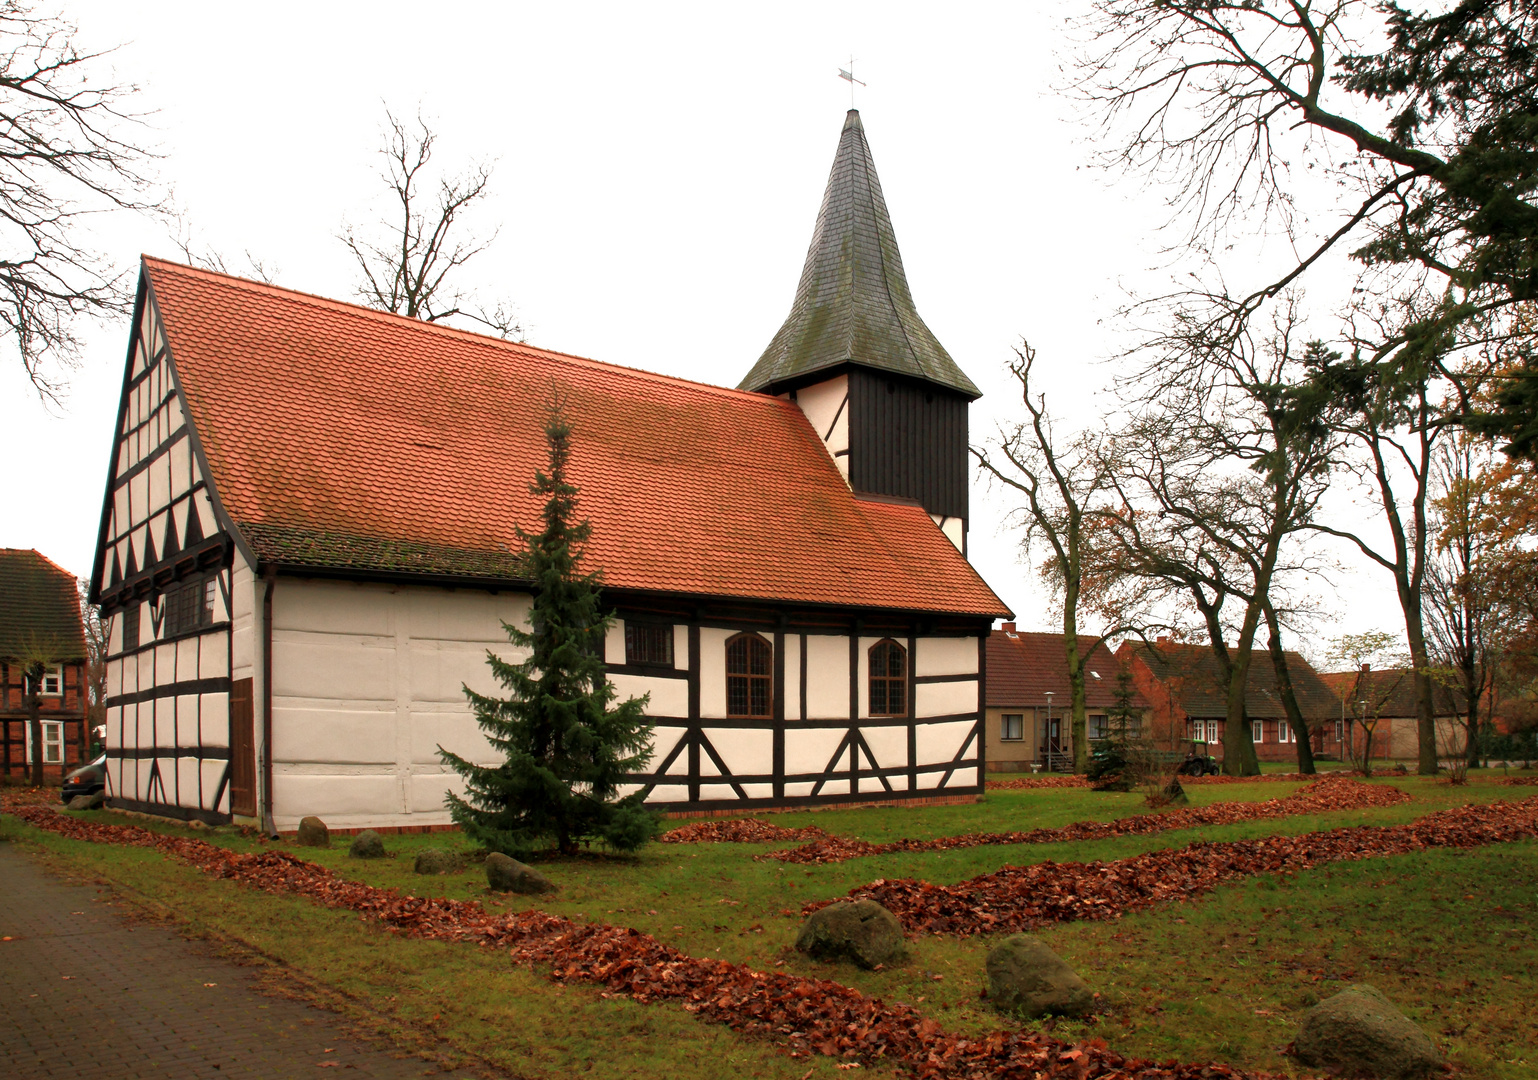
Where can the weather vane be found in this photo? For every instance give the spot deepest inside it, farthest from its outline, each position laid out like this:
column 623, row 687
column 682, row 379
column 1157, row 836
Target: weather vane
column 848, row 76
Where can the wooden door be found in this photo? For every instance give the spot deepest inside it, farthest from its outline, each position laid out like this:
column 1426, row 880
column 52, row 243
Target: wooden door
column 242, row 749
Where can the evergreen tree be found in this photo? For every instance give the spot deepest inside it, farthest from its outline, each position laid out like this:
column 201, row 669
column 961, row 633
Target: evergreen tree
column 1111, row 765
column 566, row 745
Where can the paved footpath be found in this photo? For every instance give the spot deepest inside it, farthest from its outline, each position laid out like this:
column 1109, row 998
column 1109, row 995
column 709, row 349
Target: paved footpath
column 86, row 994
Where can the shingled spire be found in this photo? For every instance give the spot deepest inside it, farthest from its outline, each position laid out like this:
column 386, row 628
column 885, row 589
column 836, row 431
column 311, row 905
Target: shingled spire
column 853, row 306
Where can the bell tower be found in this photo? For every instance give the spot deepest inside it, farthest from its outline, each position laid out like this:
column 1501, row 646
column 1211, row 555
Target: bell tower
column 880, row 389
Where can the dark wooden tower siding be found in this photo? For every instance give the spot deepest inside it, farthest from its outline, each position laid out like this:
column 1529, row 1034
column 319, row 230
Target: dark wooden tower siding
column 908, row 439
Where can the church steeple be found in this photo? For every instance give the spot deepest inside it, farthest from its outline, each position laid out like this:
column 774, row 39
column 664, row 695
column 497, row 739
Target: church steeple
column 853, row 307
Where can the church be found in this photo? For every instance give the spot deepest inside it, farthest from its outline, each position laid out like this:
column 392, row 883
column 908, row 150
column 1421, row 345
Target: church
column 308, row 544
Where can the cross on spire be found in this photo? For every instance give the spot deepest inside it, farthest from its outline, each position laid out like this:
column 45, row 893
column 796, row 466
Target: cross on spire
column 848, row 76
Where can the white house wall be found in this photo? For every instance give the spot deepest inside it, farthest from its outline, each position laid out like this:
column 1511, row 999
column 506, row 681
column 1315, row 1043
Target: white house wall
column 168, row 688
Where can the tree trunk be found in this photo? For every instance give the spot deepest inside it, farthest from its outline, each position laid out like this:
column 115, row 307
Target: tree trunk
column 1238, row 745
column 1300, row 727
column 35, row 726
column 1079, row 721
column 1425, row 716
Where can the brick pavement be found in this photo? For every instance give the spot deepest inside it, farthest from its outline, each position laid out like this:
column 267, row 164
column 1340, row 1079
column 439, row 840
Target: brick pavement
column 86, row 995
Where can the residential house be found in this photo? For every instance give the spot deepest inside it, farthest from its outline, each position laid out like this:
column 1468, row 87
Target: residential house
column 1188, row 702
column 1386, row 697
column 1029, row 721
column 40, row 618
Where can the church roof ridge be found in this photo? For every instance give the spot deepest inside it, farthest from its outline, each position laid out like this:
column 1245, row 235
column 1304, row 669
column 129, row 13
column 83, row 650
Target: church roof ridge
column 362, row 310
column 853, row 304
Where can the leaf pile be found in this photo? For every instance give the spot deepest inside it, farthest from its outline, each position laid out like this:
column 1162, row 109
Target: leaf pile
column 744, row 831
column 1021, row 897
column 1518, row 781
column 1322, row 796
column 801, row 1014
column 1027, row 782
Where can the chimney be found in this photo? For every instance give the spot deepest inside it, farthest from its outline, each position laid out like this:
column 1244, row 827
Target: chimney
column 1009, row 628
column 1162, row 639
column 1366, row 668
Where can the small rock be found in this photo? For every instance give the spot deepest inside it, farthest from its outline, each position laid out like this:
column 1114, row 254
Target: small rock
column 505, row 874
column 434, row 861
column 1360, row 1032
column 88, row 802
column 195, row 823
column 313, row 833
column 1027, row 978
column 861, row 930
column 366, row 845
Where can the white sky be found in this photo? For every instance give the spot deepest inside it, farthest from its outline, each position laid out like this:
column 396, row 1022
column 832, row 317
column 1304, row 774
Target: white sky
column 658, row 172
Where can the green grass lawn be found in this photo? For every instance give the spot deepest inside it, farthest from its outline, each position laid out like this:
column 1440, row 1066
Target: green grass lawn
column 1447, row 935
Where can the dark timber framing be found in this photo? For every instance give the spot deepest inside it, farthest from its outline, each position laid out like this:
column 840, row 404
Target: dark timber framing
column 852, row 758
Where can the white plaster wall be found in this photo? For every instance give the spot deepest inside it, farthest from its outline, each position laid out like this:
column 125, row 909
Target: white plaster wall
column 368, row 683
column 713, row 672
column 807, row 749
column 745, row 752
column 669, row 697
column 946, row 656
column 945, row 699
column 939, row 742
column 827, row 677
column 890, row 745
column 792, row 677
column 826, row 408
column 614, row 643
column 680, row 647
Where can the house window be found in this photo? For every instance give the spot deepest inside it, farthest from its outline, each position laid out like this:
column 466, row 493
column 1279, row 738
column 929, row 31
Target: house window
column 1283, row 732
column 649, row 643
column 1098, row 728
column 1258, row 731
column 131, row 626
column 1340, row 731
column 51, row 682
column 1012, row 727
column 888, row 679
column 749, row 667
column 190, row 605
column 53, row 744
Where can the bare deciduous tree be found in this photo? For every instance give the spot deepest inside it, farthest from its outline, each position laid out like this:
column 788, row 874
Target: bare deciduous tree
column 1060, row 486
column 66, row 153
column 410, row 264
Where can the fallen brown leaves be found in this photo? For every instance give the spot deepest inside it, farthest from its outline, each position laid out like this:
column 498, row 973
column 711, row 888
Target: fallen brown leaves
column 1518, row 781
column 1028, row 782
column 1020, row 897
column 745, row 831
column 1322, row 796
column 804, row 1015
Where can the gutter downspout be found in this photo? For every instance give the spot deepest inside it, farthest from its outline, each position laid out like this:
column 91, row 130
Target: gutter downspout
column 269, row 826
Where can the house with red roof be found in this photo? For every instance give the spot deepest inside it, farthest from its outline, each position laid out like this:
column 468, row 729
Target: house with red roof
column 1385, row 698
column 1029, row 708
column 1188, row 700
column 308, row 544
column 41, row 632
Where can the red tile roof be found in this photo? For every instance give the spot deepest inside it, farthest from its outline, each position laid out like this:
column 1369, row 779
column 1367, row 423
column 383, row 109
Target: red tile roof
column 1023, row 666
column 340, row 436
column 1390, row 692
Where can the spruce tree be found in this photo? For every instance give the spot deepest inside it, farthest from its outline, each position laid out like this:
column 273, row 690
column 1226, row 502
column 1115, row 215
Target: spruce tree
column 566, row 745
column 1111, row 767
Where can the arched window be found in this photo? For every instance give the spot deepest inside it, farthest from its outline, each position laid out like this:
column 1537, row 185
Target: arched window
column 749, row 668
column 888, row 679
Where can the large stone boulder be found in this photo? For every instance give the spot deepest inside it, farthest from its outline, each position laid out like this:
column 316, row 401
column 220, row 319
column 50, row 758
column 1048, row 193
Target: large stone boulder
column 1027, row 978
column 313, row 833
column 366, row 845
column 435, row 861
column 1359, row 1032
column 93, row 801
column 860, row 930
column 506, row 874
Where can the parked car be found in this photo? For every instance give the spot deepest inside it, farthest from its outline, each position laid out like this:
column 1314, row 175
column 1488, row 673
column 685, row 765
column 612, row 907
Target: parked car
column 86, row 780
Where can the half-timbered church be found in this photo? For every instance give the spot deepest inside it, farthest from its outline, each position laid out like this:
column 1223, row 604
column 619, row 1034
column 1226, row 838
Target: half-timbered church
column 308, row 545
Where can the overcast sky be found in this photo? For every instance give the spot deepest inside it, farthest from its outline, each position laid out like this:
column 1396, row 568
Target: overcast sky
column 658, row 169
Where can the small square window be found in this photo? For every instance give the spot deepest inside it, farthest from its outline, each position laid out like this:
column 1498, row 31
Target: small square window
column 51, row 684
column 1098, row 728
column 649, row 643
column 1012, row 727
